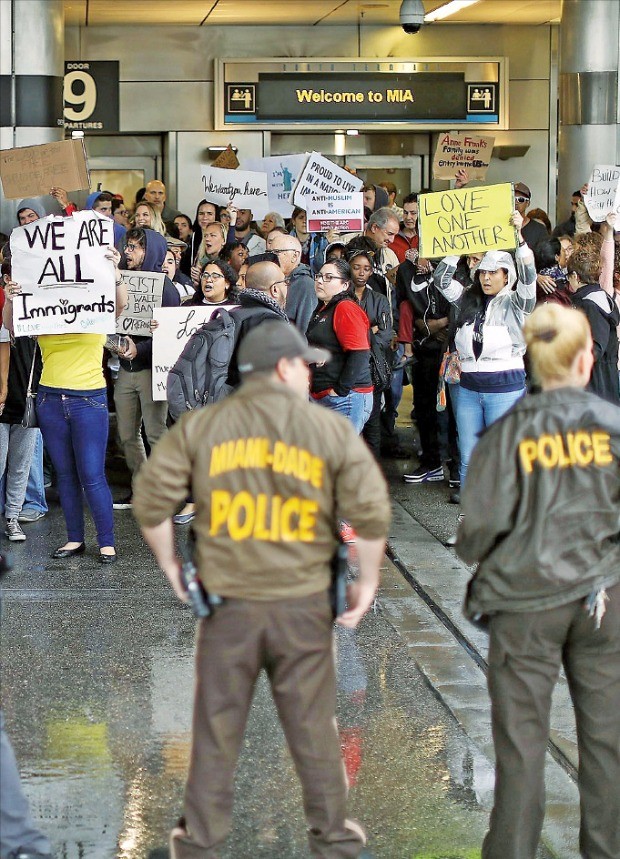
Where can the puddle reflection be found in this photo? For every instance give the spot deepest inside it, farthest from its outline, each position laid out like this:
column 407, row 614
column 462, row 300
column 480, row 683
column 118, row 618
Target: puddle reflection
column 98, row 707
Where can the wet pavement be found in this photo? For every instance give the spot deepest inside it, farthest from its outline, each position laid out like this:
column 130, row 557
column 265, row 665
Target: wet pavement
column 97, row 693
column 97, row 688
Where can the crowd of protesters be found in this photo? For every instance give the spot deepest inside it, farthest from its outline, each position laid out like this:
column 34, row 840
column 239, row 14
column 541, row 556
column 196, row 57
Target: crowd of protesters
column 451, row 328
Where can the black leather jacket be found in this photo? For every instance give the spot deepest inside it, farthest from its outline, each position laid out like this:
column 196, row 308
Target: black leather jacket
column 542, row 504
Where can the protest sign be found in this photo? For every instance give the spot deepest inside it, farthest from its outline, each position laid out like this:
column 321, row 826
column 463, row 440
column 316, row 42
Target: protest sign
column 248, row 190
column 462, row 150
column 322, row 176
column 603, row 194
column 282, row 173
column 340, row 212
column 176, row 326
column 67, row 283
column 30, row 171
column 466, row 221
column 144, row 291
column 227, row 159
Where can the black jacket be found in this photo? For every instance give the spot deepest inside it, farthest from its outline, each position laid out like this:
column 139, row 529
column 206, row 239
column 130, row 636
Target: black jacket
column 427, row 302
column 347, row 369
column 20, row 364
column 603, row 316
column 255, row 307
column 542, row 504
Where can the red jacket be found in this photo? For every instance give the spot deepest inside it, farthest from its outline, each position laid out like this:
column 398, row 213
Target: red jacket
column 403, row 243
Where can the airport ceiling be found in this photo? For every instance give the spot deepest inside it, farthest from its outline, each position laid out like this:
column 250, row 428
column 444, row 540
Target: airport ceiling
column 205, row 13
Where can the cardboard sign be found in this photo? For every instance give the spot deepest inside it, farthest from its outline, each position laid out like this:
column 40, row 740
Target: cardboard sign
column 227, row 160
column 466, row 221
column 462, row 150
column 176, row 326
column 67, row 283
column 248, row 190
column 322, row 176
column 144, row 291
column 282, row 174
column 340, row 212
column 603, row 194
column 30, row 171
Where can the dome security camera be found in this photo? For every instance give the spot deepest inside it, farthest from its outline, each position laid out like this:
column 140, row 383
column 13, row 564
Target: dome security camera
column 411, row 16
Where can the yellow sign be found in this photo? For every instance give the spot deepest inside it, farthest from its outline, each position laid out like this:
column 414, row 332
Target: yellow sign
column 466, row 221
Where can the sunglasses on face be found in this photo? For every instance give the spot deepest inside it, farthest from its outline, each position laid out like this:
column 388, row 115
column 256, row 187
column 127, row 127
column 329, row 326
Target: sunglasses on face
column 522, row 199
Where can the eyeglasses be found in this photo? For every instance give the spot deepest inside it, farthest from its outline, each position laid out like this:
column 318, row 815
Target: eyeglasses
column 284, row 250
column 278, row 282
column 131, row 247
column 327, row 278
column 207, row 275
column 522, row 199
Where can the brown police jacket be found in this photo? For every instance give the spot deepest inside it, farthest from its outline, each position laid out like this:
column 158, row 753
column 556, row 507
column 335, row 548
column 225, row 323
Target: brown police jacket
column 542, row 504
column 270, row 475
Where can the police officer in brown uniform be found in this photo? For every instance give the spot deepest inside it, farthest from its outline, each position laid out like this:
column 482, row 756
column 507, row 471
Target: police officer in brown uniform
column 271, row 474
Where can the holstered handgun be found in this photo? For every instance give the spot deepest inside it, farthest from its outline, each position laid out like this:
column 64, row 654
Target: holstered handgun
column 202, row 603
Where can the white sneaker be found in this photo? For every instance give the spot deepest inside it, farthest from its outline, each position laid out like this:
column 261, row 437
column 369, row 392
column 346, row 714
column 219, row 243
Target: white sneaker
column 451, row 541
column 13, row 531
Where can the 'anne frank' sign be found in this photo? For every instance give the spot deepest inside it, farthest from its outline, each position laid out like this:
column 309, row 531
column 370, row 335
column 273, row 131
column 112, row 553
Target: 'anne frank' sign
column 67, row 283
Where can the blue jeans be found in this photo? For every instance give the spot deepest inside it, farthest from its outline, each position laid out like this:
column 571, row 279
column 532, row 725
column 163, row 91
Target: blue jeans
column 35, row 491
column 355, row 406
column 474, row 412
column 75, row 430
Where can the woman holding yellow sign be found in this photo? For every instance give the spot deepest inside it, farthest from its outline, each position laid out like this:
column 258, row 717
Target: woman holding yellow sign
column 489, row 337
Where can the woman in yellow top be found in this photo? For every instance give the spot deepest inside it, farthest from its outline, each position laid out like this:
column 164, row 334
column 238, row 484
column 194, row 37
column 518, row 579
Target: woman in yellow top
column 72, row 410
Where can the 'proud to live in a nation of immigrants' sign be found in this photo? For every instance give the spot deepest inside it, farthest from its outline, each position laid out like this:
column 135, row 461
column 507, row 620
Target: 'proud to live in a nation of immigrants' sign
column 67, row 282
column 466, row 221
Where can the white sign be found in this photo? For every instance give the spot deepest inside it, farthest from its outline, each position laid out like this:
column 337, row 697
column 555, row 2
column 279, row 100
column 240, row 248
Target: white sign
column 144, row 291
column 67, row 283
column 247, row 189
column 322, row 176
column 282, row 174
column 341, row 212
column 175, row 326
column 603, row 194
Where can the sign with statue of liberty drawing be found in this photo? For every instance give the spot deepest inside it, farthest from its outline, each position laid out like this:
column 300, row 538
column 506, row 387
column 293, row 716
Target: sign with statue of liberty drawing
column 282, row 173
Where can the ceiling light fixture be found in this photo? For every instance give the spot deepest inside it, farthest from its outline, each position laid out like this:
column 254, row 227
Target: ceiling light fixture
column 448, row 9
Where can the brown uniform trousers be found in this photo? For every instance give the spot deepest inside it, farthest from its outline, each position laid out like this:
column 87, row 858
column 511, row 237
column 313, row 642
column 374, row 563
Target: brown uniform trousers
column 525, row 654
column 292, row 640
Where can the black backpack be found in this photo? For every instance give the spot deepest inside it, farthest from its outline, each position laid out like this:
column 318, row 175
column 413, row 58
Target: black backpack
column 199, row 375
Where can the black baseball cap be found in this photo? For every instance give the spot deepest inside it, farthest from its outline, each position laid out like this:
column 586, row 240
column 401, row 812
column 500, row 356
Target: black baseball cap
column 264, row 345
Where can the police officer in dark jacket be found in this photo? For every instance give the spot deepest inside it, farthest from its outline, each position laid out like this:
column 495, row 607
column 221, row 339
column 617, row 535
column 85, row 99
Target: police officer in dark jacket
column 542, row 520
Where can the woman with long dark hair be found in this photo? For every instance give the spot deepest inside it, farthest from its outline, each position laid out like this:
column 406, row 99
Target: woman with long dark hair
column 340, row 325
column 489, row 337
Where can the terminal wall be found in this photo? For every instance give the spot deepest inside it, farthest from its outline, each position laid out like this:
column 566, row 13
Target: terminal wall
column 167, row 85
